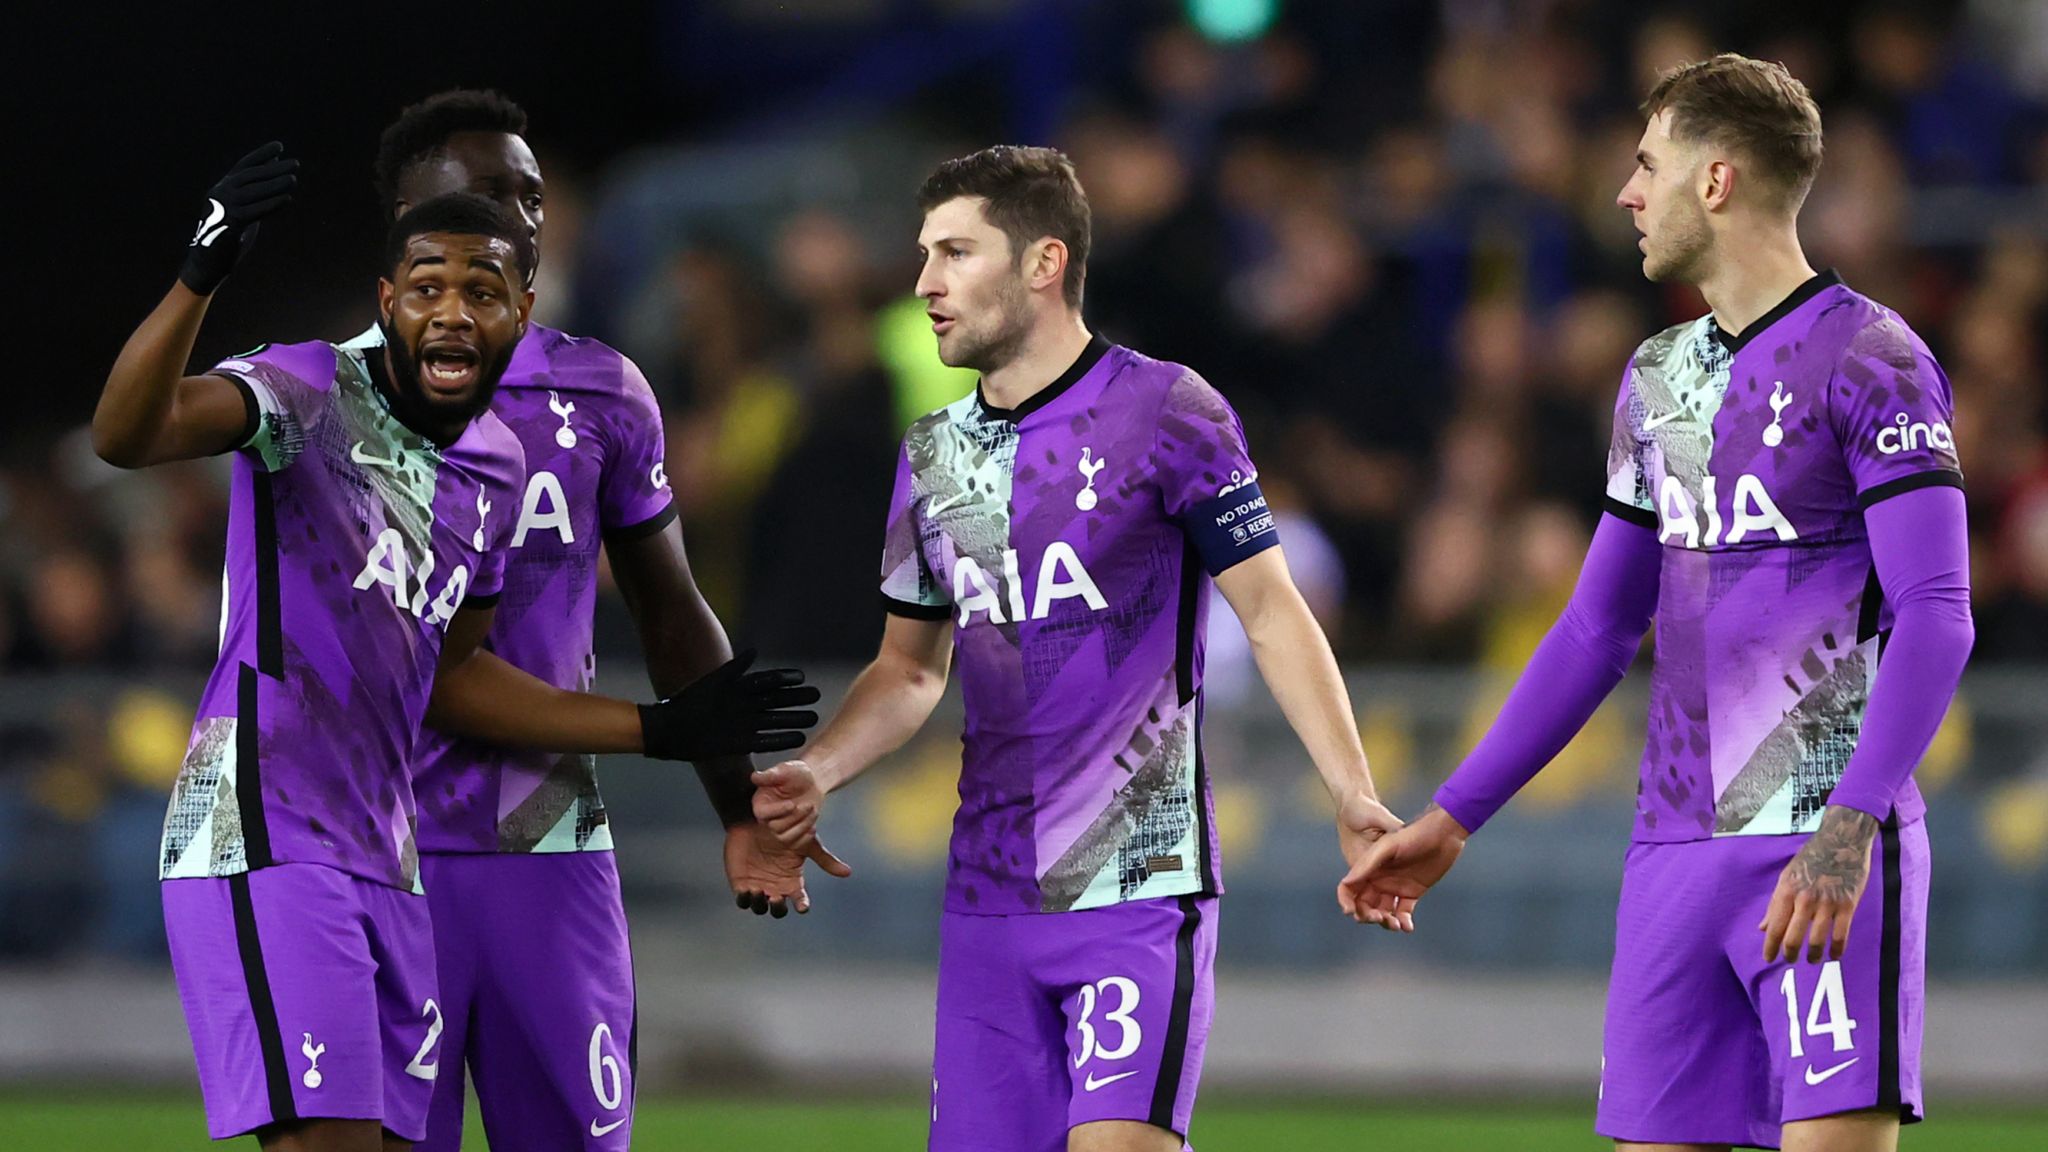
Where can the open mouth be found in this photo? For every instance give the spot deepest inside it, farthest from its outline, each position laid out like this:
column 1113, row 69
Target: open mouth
column 449, row 369
column 941, row 324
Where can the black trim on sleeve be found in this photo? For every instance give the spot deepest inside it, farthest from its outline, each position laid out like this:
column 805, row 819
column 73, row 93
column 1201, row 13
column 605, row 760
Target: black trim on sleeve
column 644, row 528
column 1933, row 478
column 1629, row 512
column 1800, row 295
column 483, row 600
column 252, row 413
column 249, row 772
column 895, row 607
column 1173, row 1052
column 277, row 1078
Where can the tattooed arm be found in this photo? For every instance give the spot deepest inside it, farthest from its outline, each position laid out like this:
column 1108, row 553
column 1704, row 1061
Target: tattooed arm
column 1818, row 890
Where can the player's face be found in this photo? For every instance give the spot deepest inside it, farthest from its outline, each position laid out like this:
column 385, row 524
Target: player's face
column 451, row 317
column 972, row 286
column 1662, row 197
column 495, row 165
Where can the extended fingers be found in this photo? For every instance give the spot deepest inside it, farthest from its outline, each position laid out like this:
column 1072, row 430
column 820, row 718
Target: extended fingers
column 823, row 858
column 1797, row 925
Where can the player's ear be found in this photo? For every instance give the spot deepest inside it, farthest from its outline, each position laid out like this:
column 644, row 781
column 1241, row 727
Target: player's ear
column 1716, row 183
column 525, row 308
column 386, row 291
column 1046, row 263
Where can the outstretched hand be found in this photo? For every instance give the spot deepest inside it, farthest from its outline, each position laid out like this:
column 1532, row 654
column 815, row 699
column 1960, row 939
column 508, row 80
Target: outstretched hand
column 767, row 876
column 1361, row 822
column 730, row 712
column 1400, row 867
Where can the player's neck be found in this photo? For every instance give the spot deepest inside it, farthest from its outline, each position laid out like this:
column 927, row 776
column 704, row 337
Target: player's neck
column 1753, row 275
column 1044, row 358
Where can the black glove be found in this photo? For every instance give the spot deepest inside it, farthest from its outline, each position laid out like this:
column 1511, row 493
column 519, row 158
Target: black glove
column 259, row 184
column 730, row 712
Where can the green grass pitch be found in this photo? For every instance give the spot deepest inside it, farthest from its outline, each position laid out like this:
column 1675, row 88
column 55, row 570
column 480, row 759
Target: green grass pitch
column 172, row 1123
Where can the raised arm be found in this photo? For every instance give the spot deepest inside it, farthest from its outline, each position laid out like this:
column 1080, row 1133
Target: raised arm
column 150, row 412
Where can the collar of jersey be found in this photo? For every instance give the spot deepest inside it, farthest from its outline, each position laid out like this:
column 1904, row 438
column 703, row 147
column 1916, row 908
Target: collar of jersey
column 1090, row 357
column 1800, row 295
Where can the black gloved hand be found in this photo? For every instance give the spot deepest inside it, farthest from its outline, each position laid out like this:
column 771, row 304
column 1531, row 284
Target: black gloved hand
column 259, row 184
column 729, row 712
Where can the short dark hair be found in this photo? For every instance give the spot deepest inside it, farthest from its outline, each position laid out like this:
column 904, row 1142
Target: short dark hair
column 462, row 214
column 1755, row 107
column 423, row 129
column 1030, row 192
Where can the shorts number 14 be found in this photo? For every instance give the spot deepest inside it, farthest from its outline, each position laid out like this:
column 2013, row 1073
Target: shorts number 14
column 1827, row 1015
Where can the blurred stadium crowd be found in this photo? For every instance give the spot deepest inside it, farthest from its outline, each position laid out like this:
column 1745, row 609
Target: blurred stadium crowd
column 1385, row 230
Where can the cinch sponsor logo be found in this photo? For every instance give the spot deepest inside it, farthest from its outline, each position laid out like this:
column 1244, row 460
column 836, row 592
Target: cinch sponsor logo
column 1906, row 436
column 1750, row 511
column 1060, row 577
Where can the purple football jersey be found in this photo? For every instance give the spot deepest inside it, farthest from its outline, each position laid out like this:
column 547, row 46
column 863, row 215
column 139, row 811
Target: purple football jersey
column 1754, row 457
column 352, row 541
column 593, row 437
column 1071, row 541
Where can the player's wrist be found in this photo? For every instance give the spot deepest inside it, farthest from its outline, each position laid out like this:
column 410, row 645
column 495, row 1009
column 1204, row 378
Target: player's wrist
column 827, row 769
column 1439, row 820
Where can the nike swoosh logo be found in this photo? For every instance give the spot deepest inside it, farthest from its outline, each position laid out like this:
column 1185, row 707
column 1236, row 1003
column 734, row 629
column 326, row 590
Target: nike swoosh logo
column 1813, row 1077
column 1091, row 1084
column 938, row 506
column 1655, row 422
column 357, row 454
column 597, row 1129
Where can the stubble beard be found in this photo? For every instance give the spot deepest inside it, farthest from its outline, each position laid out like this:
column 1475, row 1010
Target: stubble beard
column 1686, row 245
column 1006, row 338
column 413, row 400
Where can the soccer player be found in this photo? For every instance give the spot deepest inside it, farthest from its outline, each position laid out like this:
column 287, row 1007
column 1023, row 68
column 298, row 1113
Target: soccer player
column 367, row 532
column 1784, row 501
column 536, row 970
column 1057, row 530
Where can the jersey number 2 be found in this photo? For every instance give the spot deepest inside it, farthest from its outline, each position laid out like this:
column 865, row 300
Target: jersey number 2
column 418, row 1066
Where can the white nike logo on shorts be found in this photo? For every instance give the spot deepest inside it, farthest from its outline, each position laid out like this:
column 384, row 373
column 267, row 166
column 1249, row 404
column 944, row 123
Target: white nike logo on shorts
column 597, row 1129
column 1813, row 1078
column 1091, row 1084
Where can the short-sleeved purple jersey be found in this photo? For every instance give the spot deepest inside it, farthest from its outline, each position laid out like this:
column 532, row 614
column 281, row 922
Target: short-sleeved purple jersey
column 1071, row 541
column 1753, row 457
column 352, row 541
column 593, row 437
